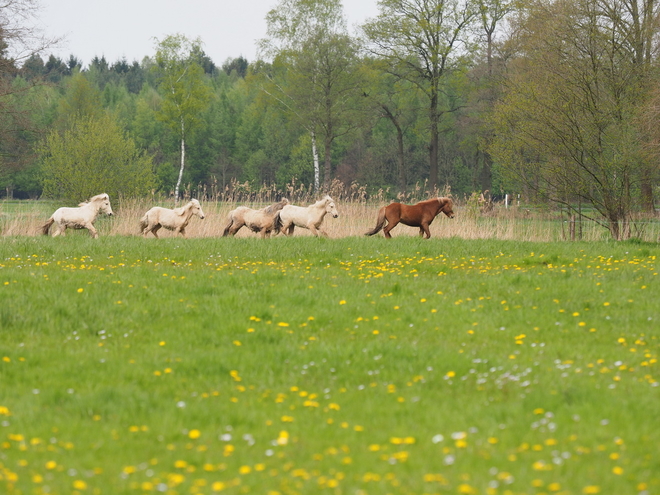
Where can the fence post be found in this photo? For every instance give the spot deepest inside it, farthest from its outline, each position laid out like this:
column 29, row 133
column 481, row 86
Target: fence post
column 572, row 227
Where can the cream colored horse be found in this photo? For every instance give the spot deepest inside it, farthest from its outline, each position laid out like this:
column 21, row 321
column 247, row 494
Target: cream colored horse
column 263, row 221
column 82, row 217
column 308, row 217
column 176, row 219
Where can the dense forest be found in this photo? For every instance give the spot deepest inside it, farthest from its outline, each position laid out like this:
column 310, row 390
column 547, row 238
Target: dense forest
column 555, row 100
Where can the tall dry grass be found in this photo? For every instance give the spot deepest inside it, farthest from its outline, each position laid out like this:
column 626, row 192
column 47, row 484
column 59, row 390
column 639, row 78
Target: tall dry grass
column 357, row 216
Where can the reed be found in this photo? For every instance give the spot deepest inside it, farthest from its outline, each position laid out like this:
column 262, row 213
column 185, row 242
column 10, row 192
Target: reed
column 357, row 216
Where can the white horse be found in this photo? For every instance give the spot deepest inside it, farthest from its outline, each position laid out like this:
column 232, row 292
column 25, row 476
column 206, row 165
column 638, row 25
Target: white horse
column 308, row 217
column 176, row 219
column 82, row 217
column 263, row 221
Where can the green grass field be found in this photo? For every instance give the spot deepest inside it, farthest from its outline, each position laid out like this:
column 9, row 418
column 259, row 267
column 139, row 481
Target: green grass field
column 341, row 366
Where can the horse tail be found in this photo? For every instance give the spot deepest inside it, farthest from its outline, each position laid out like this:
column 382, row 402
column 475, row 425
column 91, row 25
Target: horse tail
column 231, row 222
column 144, row 221
column 380, row 223
column 277, row 223
column 46, row 226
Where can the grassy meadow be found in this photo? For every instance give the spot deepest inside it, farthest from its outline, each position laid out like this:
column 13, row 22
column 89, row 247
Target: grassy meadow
column 348, row 365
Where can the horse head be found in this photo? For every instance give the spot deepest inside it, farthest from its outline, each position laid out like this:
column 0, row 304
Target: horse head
column 196, row 208
column 103, row 203
column 447, row 206
column 330, row 207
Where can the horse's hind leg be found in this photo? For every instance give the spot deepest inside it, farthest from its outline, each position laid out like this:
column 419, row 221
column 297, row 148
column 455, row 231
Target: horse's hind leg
column 289, row 230
column 235, row 228
column 388, row 227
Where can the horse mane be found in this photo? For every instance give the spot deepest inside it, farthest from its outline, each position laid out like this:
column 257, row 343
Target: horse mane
column 323, row 200
column 98, row 197
column 276, row 206
column 181, row 210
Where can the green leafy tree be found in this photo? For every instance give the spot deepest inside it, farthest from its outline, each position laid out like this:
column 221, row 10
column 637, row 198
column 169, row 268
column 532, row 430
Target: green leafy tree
column 20, row 41
column 567, row 126
column 93, row 155
column 185, row 92
column 398, row 102
column 424, row 42
column 316, row 74
column 81, row 98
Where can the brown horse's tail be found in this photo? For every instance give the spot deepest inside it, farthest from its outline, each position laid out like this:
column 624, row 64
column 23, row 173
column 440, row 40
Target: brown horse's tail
column 46, row 226
column 380, row 222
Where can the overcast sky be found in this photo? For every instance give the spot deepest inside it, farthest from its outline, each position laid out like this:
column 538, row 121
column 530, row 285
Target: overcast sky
column 128, row 28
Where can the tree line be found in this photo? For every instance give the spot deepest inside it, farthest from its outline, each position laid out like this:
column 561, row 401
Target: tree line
column 556, row 100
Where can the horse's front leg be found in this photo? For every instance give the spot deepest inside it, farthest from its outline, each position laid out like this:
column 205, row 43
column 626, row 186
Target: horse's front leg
column 92, row 231
column 424, row 229
column 313, row 230
column 182, row 231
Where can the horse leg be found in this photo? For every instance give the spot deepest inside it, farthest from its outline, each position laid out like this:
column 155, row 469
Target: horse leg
column 155, row 229
column 289, row 230
column 388, row 227
column 312, row 229
column 92, row 231
column 182, row 231
column 425, row 229
column 235, row 228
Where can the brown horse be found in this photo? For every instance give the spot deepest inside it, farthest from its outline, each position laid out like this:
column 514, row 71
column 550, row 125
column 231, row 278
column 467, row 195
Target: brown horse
column 420, row 215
